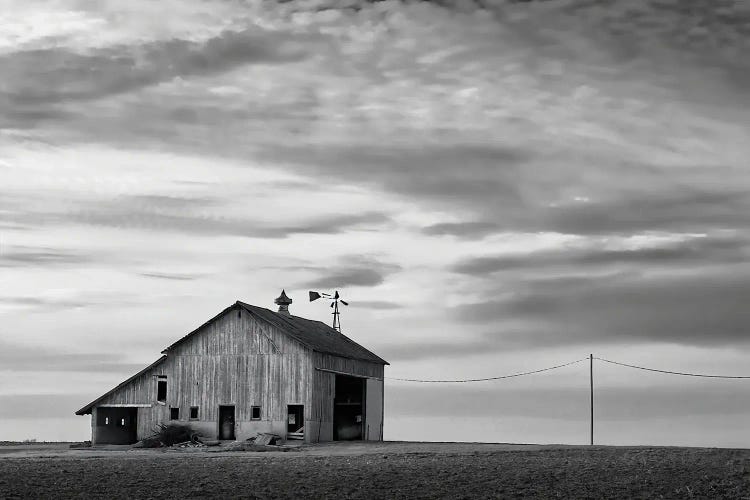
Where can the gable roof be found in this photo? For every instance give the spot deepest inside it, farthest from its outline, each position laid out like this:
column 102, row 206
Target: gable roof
column 87, row 409
column 314, row 334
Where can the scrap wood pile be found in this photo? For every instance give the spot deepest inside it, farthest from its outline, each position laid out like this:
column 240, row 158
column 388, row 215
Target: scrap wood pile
column 177, row 435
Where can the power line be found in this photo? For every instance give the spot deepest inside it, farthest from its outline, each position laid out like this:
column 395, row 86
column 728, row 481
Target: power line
column 671, row 372
column 488, row 378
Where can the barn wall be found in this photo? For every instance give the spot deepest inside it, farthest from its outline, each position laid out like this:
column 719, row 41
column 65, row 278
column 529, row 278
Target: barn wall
column 234, row 360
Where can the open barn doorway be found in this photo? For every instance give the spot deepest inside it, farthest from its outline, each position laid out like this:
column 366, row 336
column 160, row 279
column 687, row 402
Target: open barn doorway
column 116, row 425
column 295, row 422
column 348, row 408
column 226, row 422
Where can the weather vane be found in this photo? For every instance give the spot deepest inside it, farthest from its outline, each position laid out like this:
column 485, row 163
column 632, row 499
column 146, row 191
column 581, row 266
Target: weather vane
column 335, row 299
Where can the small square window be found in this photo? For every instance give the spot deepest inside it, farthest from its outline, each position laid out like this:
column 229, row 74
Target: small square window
column 174, row 413
column 193, row 413
column 255, row 413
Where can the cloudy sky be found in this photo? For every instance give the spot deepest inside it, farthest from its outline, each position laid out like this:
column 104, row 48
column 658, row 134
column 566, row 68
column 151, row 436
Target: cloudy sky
column 496, row 187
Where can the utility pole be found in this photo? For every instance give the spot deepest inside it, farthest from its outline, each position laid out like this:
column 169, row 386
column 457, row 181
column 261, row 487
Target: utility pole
column 591, row 380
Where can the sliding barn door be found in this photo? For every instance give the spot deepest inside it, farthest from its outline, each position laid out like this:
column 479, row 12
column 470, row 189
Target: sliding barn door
column 374, row 409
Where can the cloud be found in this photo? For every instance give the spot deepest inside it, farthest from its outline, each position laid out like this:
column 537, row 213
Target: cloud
column 690, row 250
column 197, row 215
column 469, row 229
column 376, row 304
column 24, row 256
column 171, row 276
column 26, row 358
column 47, row 303
column 699, row 308
column 487, row 171
column 54, row 75
column 353, row 271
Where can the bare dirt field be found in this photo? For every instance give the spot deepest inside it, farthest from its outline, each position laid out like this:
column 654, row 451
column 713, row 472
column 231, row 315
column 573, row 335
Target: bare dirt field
column 376, row 470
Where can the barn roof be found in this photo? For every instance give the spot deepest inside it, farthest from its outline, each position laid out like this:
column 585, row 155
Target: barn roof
column 87, row 409
column 314, row 334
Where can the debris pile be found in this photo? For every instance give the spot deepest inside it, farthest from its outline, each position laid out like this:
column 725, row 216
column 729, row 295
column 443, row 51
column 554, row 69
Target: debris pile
column 266, row 438
column 166, row 435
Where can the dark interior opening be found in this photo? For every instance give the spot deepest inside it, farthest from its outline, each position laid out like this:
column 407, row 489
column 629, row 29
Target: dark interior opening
column 348, row 408
column 226, row 422
column 174, row 413
column 161, row 390
column 116, row 425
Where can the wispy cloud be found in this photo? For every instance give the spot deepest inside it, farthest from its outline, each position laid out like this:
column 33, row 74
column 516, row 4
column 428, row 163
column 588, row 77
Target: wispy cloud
column 26, row 358
column 56, row 75
column 353, row 271
column 26, row 256
column 723, row 249
column 171, row 276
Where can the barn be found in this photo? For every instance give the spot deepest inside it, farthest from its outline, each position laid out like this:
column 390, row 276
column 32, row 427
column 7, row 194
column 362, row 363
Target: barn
column 249, row 370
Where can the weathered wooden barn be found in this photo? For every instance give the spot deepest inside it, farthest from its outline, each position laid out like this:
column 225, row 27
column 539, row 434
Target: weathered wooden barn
column 249, row 370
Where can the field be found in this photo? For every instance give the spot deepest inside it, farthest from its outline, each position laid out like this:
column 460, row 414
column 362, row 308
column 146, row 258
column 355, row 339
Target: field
column 377, row 470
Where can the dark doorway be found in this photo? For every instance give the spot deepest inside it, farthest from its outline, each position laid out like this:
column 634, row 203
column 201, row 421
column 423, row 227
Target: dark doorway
column 226, row 422
column 295, row 422
column 348, row 408
column 116, row 425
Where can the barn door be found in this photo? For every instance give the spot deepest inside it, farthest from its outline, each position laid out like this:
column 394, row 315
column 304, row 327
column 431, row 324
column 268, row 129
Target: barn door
column 374, row 409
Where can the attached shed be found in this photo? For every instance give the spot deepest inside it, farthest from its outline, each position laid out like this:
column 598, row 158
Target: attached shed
column 249, row 370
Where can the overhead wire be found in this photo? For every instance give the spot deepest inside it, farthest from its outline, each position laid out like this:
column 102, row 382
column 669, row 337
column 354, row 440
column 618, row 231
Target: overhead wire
column 460, row 381
column 685, row 374
column 521, row 374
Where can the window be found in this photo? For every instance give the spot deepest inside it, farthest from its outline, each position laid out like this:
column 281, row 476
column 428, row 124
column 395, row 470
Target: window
column 193, row 413
column 122, row 423
column 106, row 420
column 161, row 390
column 255, row 413
column 174, row 413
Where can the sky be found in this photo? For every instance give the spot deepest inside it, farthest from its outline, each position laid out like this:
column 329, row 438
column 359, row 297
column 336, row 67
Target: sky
column 494, row 187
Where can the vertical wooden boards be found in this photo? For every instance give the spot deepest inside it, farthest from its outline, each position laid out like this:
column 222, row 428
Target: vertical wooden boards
column 374, row 410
